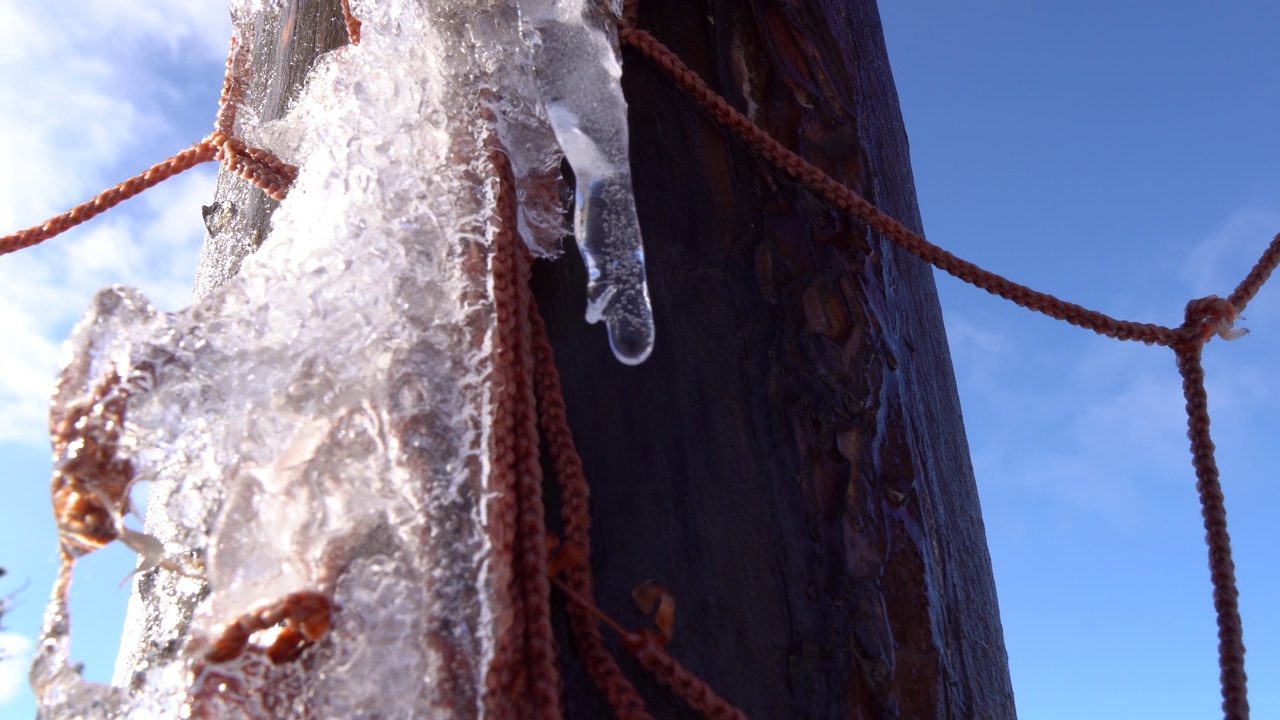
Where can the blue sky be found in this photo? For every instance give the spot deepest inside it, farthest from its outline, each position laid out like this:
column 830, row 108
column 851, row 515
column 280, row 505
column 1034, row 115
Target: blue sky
column 1118, row 154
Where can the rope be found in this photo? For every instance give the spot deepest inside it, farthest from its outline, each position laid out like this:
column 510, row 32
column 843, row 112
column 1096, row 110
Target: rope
column 201, row 152
column 524, row 664
column 1205, row 317
column 1222, row 569
column 575, row 514
column 353, row 25
column 264, row 170
column 841, row 196
column 528, row 395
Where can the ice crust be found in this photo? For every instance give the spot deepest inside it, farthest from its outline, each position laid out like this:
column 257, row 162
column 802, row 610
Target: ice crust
column 321, row 422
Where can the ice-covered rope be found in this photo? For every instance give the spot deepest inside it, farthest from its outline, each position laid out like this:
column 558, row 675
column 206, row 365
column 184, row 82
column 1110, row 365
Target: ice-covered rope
column 1205, row 317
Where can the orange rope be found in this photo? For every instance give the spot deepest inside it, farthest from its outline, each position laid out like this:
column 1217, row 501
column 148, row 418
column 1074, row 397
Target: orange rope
column 353, row 25
column 1205, row 317
column 259, row 167
column 201, row 152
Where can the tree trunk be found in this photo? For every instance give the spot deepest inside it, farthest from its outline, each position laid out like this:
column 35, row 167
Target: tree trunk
column 790, row 463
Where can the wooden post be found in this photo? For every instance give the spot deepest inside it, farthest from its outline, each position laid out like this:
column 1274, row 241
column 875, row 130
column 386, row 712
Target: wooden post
column 790, row 462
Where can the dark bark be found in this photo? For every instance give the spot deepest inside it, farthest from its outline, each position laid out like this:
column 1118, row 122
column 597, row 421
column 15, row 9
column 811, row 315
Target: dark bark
column 791, row 461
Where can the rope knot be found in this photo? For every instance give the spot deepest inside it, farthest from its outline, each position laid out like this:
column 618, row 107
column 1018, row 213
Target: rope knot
column 1209, row 316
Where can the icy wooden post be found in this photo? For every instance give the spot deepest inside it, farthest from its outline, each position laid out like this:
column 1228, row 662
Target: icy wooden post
column 790, row 462
column 318, row 425
column 745, row 400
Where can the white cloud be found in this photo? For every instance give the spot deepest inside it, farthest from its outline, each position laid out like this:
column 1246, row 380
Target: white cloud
column 172, row 22
column 69, row 106
column 26, row 378
column 1081, row 440
column 1219, row 261
column 56, row 135
column 14, row 660
column 976, row 345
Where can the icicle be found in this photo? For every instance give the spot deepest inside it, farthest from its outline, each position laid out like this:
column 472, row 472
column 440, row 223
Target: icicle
column 315, row 430
column 578, row 72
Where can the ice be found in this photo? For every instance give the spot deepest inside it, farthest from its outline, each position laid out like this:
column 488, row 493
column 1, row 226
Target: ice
column 578, row 70
column 321, row 422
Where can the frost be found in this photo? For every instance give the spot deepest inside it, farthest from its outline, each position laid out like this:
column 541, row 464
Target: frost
column 321, row 422
column 578, row 71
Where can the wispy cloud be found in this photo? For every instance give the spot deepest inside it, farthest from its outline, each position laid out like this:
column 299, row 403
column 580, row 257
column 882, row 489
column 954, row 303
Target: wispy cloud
column 14, row 659
column 1077, row 441
column 1099, row 426
column 1221, row 259
column 154, row 247
column 71, row 90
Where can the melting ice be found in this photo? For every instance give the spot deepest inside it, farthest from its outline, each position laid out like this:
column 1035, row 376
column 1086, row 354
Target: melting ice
column 578, row 72
column 322, row 421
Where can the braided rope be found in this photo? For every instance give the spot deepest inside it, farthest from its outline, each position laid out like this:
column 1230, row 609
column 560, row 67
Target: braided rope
column 504, row 507
column 646, row 648
column 841, row 196
column 575, row 514
column 353, row 25
column 524, row 672
column 526, row 376
column 1205, row 317
column 201, row 152
column 264, row 170
column 531, row 560
column 1257, row 275
column 232, row 89
column 1222, row 569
